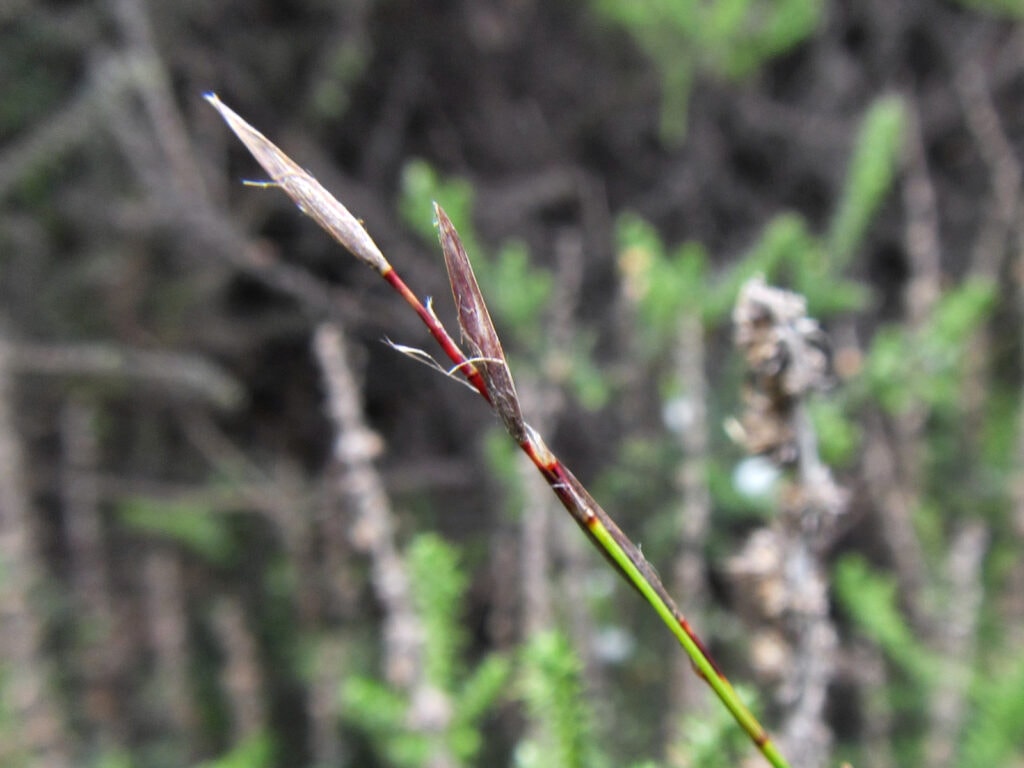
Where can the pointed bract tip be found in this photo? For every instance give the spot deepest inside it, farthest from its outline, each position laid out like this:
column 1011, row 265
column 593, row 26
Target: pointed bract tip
column 441, row 219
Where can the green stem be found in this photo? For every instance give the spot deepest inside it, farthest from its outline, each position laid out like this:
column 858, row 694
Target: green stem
column 693, row 648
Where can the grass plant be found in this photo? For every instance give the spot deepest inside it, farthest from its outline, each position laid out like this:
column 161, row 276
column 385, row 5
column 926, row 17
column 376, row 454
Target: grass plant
column 486, row 370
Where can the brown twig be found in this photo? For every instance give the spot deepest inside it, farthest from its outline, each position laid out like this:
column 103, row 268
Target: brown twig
column 166, row 607
column 948, row 707
column 373, row 527
column 241, row 678
column 91, row 584
column 891, row 463
column 41, row 737
column 174, row 372
column 996, row 150
column 153, row 84
column 373, row 531
column 74, row 124
column 787, row 360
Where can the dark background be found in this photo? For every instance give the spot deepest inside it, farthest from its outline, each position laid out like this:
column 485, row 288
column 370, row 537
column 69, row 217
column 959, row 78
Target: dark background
column 156, row 320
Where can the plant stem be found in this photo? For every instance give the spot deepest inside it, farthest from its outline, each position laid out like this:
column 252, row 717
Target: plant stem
column 488, row 373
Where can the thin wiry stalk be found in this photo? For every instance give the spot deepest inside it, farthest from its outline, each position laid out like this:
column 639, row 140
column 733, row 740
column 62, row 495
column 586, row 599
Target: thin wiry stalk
column 38, row 733
column 102, row 647
column 487, row 371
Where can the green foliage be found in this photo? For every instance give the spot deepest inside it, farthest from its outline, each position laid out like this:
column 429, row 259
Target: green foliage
column 192, row 526
column 666, row 282
column 502, row 455
column 480, row 691
column 1000, row 432
column 711, row 739
column 421, row 187
column 255, row 752
column 10, row 725
column 992, row 736
column 1013, row 9
column 839, row 438
column 575, row 366
column 117, row 758
column 870, row 600
column 520, row 290
column 725, row 38
column 332, row 91
column 380, row 712
column 437, row 594
column 663, row 283
column 789, row 252
column 518, row 293
column 869, row 178
column 383, row 714
column 551, row 686
column 733, row 505
column 784, row 237
column 907, row 367
column 641, row 462
column 30, row 91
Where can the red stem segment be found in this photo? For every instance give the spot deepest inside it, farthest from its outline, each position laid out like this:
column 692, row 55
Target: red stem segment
column 439, row 332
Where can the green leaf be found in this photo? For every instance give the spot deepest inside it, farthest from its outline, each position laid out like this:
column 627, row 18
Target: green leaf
column 482, row 688
column 711, row 740
column 870, row 175
column 112, row 758
column 438, row 586
column 589, row 385
column 961, row 311
column 517, row 290
column 194, row 527
column 254, row 752
column 992, row 736
column 784, row 238
column 662, row 284
column 1013, row 9
column 421, row 187
column 870, row 599
column 551, row 686
column 372, row 705
column 839, row 438
column 722, row 38
column 904, row 368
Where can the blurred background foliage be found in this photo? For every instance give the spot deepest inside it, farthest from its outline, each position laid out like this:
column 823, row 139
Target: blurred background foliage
column 192, row 570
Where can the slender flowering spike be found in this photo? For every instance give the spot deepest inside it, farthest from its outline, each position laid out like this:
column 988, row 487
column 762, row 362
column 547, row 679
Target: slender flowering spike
column 478, row 329
column 320, row 205
column 487, row 371
column 311, row 197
